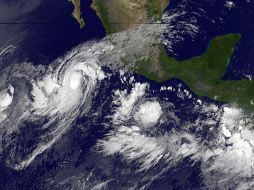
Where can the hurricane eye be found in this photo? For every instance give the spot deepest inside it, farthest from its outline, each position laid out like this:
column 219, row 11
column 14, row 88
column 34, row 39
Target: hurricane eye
column 75, row 80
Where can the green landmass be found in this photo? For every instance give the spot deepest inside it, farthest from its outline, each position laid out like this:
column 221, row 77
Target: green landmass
column 102, row 13
column 203, row 73
column 155, row 8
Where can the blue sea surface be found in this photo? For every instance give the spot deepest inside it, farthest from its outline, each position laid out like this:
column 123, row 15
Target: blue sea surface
column 76, row 149
column 54, row 31
column 215, row 19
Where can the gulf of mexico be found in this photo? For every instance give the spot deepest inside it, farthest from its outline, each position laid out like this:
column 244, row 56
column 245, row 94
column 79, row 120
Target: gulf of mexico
column 214, row 18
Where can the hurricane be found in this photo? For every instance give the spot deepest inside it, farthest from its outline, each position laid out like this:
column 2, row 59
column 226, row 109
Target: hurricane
column 51, row 97
column 60, row 93
column 135, row 127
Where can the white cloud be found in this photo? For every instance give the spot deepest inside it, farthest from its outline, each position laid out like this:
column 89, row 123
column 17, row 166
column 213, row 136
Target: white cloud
column 148, row 113
column 59, row 92
column 75, row 80
column 66, row 89
column 133, row 146
column 227, row 157
column 127, row 102
column 62, row 90
column 6, row 98
column 62, row 99
column 229, row 4
column 231, row 117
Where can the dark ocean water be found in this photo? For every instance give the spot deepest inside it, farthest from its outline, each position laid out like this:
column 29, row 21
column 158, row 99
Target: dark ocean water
column 76, row 147
column 213, row 19
column 42, row 36
column 53, row 31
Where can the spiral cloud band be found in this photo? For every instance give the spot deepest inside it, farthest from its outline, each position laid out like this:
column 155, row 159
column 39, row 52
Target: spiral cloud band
column 39, row 104
column 60, row 92
column 49, row 98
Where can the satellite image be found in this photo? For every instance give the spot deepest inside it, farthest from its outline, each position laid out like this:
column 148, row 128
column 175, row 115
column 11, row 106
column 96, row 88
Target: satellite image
column 126, row 95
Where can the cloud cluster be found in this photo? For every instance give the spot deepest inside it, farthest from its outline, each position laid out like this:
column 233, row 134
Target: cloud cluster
column 148, row 113
column 63, row 100
column 59, row 93
column 6, row 97
column 227, row 158
column 51, row 97
column 229, row 162
column 54, row 96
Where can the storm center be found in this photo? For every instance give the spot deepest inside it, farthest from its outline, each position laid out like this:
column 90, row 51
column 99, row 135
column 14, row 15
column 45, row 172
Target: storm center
column 75, row 79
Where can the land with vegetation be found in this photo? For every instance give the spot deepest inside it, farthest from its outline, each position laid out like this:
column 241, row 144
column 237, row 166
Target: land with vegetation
column 203, row 74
